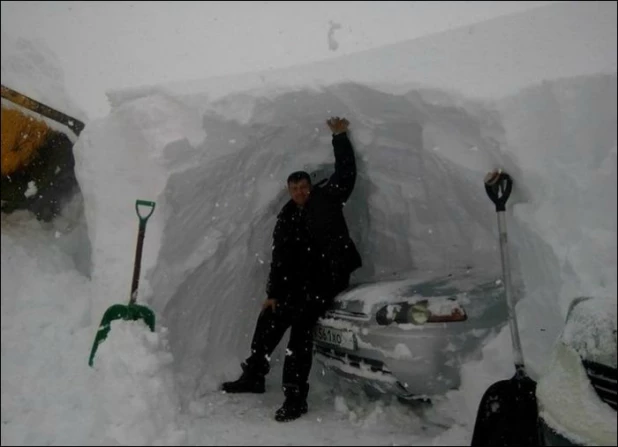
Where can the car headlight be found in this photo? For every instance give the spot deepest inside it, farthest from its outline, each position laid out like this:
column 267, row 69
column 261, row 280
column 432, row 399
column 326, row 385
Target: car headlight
column 421, row 312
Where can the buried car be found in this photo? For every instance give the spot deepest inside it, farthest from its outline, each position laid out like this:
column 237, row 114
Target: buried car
column 577, row 395
column 409, row 337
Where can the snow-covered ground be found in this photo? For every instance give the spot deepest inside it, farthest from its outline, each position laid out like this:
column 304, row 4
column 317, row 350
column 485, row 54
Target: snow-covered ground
column 215, row 160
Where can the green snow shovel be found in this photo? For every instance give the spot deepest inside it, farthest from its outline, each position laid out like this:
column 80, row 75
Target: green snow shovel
column 508, row 412
column 131, row 311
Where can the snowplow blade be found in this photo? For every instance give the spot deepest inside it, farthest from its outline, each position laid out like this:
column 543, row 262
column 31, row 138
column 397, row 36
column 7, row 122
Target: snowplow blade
column 18, row 98
column 37, row 158
column 132, row 312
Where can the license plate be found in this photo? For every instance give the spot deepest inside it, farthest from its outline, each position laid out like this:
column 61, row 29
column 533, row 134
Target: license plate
column 335, row 337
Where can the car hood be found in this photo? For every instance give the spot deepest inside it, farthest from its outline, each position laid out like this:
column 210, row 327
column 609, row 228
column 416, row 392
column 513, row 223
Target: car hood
column 367, row 299
column 591, row 330
column 573, row 395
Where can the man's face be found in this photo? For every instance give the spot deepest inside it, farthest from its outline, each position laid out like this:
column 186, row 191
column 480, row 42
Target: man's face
column 299, row 191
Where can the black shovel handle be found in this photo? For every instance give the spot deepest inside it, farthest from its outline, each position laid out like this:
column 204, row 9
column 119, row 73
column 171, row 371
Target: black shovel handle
column 143, row 219
column 498, row 186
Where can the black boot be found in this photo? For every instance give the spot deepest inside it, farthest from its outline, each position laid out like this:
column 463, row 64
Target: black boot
column 295, row 404
column 247, row 383
column 292, row 408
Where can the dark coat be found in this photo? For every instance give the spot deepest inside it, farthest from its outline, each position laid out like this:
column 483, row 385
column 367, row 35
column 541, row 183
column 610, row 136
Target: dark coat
column 313, row 255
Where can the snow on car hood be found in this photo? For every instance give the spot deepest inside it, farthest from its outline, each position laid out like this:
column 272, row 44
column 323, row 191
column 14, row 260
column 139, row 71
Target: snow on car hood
column 368, row 298
column 591, row 330
column 568, row 403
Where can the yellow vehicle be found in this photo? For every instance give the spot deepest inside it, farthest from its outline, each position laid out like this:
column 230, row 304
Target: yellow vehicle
column 37, row 160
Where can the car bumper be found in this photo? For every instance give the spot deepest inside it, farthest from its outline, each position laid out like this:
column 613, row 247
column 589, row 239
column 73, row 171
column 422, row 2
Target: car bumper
column 408, row 361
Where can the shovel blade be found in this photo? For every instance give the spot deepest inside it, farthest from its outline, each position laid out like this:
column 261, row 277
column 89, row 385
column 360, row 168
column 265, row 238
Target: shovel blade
column 508, row 414
column 120, row 312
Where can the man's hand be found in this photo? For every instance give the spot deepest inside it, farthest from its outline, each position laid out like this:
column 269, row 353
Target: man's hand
column 338, row 125
column 269, row 302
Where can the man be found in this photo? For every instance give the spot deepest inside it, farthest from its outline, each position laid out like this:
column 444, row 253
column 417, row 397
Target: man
column 313, row 257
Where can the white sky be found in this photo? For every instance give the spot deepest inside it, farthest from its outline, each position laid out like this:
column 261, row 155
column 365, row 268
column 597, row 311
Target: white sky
column 126, row 44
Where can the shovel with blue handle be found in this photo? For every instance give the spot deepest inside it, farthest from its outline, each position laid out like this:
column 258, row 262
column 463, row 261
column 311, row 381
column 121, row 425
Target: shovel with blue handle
column 131, row 311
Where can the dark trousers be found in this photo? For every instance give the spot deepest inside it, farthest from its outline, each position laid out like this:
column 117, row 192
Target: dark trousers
column 301, row 318
column 269, row 331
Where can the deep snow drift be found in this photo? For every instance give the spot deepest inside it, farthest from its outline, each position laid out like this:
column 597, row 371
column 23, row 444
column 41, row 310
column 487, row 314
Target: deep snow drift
column 419, row 205
column 216, row 168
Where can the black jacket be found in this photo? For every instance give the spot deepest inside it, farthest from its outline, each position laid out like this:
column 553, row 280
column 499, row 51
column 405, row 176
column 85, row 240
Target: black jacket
column 312, row 250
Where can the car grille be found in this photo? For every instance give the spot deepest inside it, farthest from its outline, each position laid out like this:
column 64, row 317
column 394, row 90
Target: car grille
column 354, row 360
column 603, row 379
